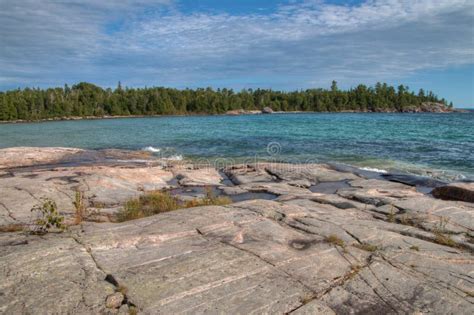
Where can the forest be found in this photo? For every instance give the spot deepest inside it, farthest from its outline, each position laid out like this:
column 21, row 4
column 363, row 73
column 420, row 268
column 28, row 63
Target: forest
column 86, row 100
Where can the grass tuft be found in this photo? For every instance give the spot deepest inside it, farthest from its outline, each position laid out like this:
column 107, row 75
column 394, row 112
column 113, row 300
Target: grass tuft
column 367, row 247
column 146, row 205
column 444, row 239
column 79, row 207
column 335, row 240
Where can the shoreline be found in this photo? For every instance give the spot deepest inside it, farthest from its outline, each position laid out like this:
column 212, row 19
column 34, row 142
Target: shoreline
column 248, row 113
column 91, row 157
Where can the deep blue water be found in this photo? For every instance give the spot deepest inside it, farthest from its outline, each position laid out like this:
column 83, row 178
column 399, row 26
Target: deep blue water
column 440, row 145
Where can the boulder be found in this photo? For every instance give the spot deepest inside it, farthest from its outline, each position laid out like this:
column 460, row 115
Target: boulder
column 455, row 191
column 267, row 110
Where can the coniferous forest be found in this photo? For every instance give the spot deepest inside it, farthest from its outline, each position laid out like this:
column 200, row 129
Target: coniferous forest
column 85, row 100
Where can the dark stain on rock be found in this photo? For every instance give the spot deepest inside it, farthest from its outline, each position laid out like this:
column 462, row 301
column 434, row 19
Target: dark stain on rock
column 30, row 176
column 67, row 179
column 301, row 244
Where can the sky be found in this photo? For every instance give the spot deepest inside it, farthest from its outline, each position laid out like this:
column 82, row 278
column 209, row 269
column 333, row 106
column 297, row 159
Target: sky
column 281, row 44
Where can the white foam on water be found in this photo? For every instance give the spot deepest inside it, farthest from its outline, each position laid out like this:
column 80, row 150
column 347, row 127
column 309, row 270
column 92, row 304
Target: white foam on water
column 372, row 169
column 177, row 157
column 151, row 149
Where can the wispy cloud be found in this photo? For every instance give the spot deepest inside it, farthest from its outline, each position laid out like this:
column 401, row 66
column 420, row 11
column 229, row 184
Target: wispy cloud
column 300, row 44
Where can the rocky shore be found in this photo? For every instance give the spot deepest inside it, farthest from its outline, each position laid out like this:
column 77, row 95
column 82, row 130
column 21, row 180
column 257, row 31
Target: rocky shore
column 300, row 239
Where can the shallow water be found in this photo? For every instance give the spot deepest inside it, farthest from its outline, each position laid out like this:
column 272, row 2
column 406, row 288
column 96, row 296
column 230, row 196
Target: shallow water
column 437, row 145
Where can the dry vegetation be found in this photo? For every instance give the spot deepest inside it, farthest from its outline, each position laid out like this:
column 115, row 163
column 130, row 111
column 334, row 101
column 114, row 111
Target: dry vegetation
column 158, row 202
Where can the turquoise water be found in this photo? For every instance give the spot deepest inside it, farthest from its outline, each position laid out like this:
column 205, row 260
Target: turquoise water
column 439, row 145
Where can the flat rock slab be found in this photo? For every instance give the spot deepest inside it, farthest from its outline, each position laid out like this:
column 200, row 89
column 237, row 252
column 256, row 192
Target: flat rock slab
column 26, row 156
column 49, row 275
column 191, row 176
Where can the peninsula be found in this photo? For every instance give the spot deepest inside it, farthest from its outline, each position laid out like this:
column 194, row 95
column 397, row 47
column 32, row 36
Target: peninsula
column 85, row 100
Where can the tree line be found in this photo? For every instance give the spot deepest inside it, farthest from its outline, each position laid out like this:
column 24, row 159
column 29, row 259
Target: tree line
column 85, row 99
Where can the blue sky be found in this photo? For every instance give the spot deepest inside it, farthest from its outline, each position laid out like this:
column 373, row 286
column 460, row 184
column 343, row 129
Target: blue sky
column 287, row 45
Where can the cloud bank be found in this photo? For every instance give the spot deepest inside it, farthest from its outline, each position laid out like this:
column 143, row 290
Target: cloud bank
column 299, row 44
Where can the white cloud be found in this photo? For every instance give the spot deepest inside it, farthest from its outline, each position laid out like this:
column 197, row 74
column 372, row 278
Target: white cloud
column 304, row 43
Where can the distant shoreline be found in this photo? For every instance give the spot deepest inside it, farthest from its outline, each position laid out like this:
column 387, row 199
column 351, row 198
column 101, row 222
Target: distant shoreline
column 246, row 113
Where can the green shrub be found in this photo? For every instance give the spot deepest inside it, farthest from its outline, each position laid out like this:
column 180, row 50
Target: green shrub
column 49, row 218
column 148, row 204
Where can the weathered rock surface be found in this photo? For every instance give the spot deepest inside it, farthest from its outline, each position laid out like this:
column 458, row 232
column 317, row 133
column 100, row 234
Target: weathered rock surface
column 369, row 246
column 455, row 191
column 25, row 156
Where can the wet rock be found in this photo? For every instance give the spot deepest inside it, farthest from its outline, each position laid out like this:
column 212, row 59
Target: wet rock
column 455, row 191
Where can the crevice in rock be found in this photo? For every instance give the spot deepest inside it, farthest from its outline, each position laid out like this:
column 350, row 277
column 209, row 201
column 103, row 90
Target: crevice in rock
column 28, row 192
column 109, row 277
column 8, row 211
column 436, row 283
column 269, row 172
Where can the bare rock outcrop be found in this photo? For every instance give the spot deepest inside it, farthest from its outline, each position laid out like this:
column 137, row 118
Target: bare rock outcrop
column 329, row 242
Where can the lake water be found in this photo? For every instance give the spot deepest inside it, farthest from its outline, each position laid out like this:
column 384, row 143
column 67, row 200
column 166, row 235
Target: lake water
column 438, row 145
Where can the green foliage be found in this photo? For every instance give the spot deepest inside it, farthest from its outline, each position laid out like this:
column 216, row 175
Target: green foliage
column 85, row 99
column 49, row 218
column 146, row 205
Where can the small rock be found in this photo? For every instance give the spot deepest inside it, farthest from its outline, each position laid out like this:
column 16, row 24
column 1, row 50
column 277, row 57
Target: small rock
column 114, row 300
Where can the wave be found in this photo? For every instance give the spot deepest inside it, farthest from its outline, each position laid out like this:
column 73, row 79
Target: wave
column 373, row 169
column 151, row 149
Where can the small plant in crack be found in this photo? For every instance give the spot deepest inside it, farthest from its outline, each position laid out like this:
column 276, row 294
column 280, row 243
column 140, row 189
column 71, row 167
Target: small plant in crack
column 367, row 247
column 335, row 240
column 391, row 215
column 443, row 222
column 355, row 269
column 79, row 207
column 444, row 239
column 48, row 219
